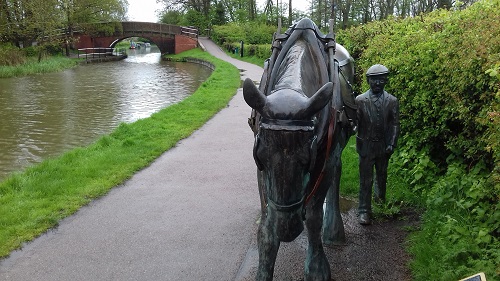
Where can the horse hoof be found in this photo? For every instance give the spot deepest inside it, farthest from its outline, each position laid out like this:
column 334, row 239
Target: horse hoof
column 364, row 219
column 317, row 269
column 335, row 242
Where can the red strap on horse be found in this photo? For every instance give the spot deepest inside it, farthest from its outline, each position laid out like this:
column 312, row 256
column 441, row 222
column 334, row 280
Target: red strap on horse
column 331, row 128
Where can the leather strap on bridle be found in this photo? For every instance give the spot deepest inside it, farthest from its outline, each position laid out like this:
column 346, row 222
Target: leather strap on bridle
column 331, row 128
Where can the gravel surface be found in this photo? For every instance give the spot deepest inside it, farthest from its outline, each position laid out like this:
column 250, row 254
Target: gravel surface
column 374, row 252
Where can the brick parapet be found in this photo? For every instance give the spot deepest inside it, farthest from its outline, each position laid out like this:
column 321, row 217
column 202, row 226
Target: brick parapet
column 184, row 43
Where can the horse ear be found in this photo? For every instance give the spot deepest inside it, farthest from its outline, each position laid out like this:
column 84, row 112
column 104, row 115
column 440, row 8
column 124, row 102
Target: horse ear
column 320, row 99
column 253, row 97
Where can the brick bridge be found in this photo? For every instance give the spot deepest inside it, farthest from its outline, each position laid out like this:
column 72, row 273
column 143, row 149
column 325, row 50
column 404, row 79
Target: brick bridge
column 170, row 39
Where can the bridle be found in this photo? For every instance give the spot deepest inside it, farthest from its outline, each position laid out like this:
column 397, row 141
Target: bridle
column 282, row 125
column 297, row 125
column 319, row 179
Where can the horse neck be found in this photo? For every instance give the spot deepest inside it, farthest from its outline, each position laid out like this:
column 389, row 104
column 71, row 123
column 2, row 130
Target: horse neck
column 289, row 74
column 301, row 65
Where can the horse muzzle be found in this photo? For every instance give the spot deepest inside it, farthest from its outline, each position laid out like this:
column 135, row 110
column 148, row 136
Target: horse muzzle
column 287, row 219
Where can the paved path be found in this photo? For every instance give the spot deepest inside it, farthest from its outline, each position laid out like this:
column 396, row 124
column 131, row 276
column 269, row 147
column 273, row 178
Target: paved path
column 190, row 215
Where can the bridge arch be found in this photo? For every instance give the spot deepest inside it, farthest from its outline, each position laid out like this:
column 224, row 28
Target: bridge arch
column 113, row 44
column 170, row 39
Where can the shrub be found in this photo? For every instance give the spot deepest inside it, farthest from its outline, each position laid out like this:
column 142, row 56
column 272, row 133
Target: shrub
column 258, row 33
column 11, row 55
column 250, row 33
column 30, row 51
column 229, row 33
column 461, row 226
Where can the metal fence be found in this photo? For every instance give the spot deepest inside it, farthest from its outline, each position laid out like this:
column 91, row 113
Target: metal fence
column 189, row 31
column 93, row 53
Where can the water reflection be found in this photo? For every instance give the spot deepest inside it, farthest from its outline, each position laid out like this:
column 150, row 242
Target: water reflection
column 43, row 115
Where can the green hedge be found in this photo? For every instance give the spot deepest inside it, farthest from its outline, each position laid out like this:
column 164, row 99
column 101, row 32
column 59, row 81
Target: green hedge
column 257, row 38
column 250, row 33
column 445, row 71
column 439, row 65
column 262, row 51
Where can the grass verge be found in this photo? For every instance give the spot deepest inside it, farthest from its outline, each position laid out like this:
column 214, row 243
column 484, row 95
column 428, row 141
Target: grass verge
column 250, row 59
column 32, row 66
column 38, row 198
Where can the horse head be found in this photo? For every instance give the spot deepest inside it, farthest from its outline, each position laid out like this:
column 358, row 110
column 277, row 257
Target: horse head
column 285, row 150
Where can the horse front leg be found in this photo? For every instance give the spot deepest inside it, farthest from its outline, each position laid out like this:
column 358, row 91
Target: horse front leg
column 269, row 243
column 333, row 226
column 317, row 267
column 262, row 194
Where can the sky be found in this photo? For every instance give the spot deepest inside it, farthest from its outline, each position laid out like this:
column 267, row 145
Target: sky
column 145, row 10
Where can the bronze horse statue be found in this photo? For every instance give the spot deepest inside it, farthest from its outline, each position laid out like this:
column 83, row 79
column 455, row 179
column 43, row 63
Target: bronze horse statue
column 303, row 115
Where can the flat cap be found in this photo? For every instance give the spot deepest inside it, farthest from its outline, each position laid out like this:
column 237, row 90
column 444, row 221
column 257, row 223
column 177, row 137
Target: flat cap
column 377, row 69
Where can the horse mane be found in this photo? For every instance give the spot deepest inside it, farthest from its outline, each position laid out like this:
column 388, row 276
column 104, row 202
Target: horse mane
column 302, row 56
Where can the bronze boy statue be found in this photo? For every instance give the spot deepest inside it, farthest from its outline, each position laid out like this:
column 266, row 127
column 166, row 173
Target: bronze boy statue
column 378, row 130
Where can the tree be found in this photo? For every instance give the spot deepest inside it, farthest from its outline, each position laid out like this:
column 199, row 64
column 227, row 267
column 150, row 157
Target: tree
column 200, row 6
column 89, row 16
column 171, row 17
column 252, row 9
column 346, row 13
column 219, row 14
column 26, row 22
column 81, row 13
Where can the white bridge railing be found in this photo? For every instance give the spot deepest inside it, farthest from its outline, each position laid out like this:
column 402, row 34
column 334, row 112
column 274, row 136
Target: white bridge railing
column 189, row 31
column 92, row 53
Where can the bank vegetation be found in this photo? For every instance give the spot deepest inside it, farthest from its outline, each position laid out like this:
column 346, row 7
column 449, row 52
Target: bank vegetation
column 19, row 62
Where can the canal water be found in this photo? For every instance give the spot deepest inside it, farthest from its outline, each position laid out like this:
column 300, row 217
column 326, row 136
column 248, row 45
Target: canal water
column 42, row 116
